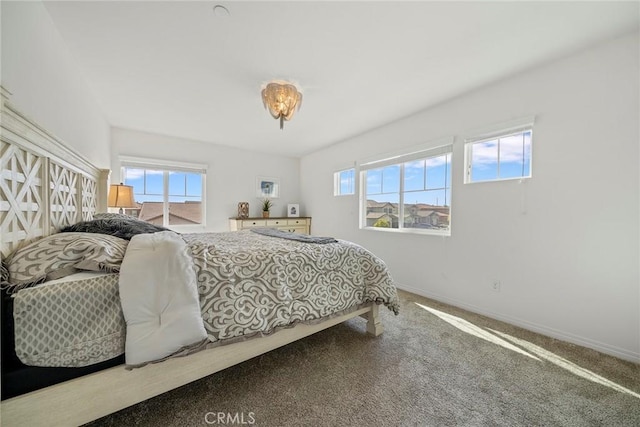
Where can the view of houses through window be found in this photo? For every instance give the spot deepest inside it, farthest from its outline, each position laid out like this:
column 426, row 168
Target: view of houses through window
column 166, row 197
column 414, row 194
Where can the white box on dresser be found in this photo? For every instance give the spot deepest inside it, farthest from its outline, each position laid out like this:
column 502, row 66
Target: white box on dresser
column 295, row 225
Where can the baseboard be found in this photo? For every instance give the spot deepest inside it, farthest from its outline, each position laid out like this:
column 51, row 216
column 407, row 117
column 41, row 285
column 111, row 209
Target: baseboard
column 620, row 353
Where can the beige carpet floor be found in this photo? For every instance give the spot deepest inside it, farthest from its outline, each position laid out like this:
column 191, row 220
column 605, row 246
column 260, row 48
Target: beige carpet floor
column 435, row 365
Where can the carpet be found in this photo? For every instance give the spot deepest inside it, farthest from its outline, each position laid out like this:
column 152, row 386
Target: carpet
column 435, row 365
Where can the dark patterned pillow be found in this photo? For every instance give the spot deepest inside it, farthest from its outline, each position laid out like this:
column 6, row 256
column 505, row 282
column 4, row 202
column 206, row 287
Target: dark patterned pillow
column 109, row 215
column 124, row 228
column 63, row 254
column 4, row 276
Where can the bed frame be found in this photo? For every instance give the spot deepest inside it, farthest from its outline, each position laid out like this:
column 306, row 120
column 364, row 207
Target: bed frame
column 46, row 185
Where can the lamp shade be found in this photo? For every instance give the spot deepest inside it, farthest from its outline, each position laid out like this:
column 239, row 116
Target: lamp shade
column 121, row 196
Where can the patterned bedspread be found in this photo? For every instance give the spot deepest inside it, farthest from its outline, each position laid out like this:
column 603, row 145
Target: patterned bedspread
column 249, row 284
column 252, row 284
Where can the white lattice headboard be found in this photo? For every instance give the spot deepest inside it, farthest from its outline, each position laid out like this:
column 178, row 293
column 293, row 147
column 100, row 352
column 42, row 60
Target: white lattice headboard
column 44, row 185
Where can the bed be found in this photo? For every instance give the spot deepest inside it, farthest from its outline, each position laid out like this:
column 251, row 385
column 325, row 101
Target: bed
column 47, row 187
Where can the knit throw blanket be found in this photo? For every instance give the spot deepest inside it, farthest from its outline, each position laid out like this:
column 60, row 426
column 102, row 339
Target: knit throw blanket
column 273, row 232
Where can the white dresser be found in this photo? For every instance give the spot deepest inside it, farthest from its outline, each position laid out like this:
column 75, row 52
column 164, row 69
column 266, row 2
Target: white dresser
column 294, row 225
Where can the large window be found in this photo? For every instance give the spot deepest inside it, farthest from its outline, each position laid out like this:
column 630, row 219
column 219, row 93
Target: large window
column 344, row 182
column 166, row 195
column 409, row 192
column 500, row 156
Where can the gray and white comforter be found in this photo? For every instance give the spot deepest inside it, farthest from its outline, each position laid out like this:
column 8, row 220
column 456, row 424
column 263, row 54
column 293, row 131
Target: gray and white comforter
column 254, row 284
column 248, row 285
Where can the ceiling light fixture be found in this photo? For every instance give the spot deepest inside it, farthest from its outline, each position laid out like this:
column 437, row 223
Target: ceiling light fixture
column 282, row 99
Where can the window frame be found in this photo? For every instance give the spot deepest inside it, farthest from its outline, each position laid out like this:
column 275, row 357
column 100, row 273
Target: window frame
column 435, row 149
column 497, row 132
column 168, row 166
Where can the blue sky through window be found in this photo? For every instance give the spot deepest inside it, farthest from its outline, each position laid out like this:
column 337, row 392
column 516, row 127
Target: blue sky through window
column 148, row 185
column 425, row 181
column 347, row 181
column 501, row 158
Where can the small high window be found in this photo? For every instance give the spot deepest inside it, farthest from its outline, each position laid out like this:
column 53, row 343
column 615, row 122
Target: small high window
column 502, row 156
column 344, row 182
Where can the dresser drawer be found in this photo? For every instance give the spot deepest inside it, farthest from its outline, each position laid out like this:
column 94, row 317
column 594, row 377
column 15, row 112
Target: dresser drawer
column 254, row 223
column 292, row 229
column 294, row 225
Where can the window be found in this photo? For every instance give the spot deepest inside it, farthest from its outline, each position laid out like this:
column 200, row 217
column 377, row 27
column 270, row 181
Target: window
column 166, row 194
column 409, row 192
column 502, row 156
column 344, row 182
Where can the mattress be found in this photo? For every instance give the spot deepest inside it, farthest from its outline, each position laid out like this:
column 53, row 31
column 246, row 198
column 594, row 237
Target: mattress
column 75, row 321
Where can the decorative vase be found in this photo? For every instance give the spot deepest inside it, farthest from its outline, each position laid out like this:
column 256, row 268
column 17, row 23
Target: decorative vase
column 243, row 210
column 265, row 214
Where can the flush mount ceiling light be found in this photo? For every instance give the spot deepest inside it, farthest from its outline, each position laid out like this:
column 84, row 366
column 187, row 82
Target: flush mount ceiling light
column 282, row 99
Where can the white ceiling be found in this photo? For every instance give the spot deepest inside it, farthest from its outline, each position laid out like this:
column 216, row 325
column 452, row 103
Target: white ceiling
column 178, row 69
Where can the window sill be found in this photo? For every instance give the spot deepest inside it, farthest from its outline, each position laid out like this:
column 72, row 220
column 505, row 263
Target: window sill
column 519, row 179
column 195, row 228
column 445, row 233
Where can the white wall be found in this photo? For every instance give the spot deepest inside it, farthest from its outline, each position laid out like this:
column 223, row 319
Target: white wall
column 564, row 244
column 46, row 84
column 231, row 174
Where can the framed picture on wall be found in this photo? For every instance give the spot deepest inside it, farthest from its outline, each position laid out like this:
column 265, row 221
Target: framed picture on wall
column 293, row 210
column 267, row 187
